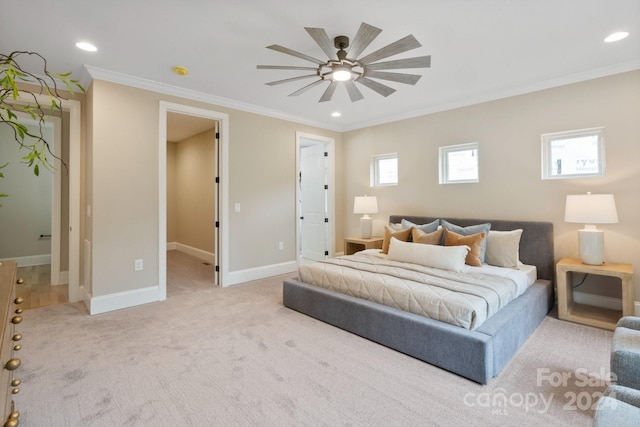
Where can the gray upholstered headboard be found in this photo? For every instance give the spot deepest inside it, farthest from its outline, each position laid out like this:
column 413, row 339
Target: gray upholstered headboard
column 536, row 243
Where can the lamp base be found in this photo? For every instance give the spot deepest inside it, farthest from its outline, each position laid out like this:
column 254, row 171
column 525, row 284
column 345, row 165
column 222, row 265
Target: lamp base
column 365, row 227
column 591, row 246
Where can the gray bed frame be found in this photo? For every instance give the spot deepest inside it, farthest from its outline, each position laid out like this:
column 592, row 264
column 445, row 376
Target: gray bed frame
column 478, row 354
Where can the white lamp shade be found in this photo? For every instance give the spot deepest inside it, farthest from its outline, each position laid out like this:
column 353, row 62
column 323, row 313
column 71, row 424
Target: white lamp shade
column 591, row 209
column 365, row 205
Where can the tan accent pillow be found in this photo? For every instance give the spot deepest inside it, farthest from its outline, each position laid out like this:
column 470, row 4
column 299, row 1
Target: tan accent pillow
column 419, row 236
column 402, row 235
column 474, row 241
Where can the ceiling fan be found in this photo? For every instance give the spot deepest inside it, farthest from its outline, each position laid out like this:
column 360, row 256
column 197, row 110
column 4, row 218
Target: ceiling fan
column 345, row 67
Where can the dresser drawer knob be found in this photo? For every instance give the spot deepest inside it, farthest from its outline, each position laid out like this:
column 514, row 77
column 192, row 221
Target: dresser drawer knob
column 17, row 347
column 19, row 300
column 19, row 311
column 16, row 319
column 16, row 382
column 12, row 422
column 15, row 390
column 17, row 337
column 12, row 364
column 20, row 281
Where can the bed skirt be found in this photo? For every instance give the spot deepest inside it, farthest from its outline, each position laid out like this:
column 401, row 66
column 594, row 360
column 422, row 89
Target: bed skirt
column 478, row 354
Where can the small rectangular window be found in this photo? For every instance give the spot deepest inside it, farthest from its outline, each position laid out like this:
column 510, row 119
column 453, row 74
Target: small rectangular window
column 459, row 163
column 384, row 170
column 573, row 154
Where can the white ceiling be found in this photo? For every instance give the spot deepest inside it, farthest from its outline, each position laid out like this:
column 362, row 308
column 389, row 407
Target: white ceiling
column 480, row 49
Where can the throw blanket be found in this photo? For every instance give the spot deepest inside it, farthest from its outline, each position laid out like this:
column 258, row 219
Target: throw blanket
column 462, row 299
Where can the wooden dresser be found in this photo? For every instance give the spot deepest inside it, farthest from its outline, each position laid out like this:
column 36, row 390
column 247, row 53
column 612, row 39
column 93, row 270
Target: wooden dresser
column 10, row 316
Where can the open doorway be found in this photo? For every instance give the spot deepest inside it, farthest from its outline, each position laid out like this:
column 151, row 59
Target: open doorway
column 192, row 161
column 315, row 197
column 217, row 184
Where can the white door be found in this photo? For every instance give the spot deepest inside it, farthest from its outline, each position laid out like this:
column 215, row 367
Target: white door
column 313, row 202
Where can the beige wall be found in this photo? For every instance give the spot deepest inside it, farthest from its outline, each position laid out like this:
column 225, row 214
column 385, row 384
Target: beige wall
column 510, row 186
column 122, row 185
column 190, row 209
column 122, row 173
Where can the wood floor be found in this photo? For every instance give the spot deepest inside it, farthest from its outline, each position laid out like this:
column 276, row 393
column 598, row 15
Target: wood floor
column 37, row 290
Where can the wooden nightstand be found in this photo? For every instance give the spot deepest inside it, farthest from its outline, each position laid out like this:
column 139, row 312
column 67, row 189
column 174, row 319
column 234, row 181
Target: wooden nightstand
column 587, row 314
column 355, row 244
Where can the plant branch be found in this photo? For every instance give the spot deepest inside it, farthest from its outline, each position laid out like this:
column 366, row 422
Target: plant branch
column 12, row 76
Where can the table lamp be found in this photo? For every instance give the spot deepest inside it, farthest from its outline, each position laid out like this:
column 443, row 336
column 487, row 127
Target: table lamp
column 591, row 209
column 365, row 205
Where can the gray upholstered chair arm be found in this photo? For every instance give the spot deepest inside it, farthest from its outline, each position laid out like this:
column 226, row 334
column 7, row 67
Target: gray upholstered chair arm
column 625, row 357
column 619, row 407
column 630, row 322
column 624, row 394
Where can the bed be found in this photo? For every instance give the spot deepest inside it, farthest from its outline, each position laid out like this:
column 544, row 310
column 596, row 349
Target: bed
column 479, row 352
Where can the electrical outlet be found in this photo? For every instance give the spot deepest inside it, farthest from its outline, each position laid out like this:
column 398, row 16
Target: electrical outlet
column 236, row 207
column 137, row 265
column 281, row 246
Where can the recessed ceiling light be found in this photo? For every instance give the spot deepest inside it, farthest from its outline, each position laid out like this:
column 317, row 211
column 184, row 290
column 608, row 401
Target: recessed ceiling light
column 86, row 46
column 616, row 36
column 336, row 114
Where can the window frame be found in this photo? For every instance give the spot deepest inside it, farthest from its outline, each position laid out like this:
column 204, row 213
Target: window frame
column 443, row 163
column 375, row 175
column 547, row 154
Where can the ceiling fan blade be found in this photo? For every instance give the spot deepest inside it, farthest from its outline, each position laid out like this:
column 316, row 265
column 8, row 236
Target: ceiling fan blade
column 365, row 35
column 328, row 93
column 306, row 88
column 321, row 37
column 291, row 52
column 291, row 79
column 383, row 90
column 394, row 48
column 417, row 62
column 409, row 79
column 283, row 67
column 353, row 91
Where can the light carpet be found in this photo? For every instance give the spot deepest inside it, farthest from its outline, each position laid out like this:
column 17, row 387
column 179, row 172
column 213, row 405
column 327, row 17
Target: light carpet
column 237, row 357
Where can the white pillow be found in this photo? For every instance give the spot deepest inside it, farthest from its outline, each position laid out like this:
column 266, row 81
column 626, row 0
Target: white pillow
column 503, row 248
column 443, row 257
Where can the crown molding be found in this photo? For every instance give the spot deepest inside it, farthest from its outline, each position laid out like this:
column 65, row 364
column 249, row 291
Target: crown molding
column 520, row 90
column 91, row 73
column 140, row 83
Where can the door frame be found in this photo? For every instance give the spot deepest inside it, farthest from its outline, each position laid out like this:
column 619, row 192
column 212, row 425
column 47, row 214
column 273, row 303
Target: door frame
column 330, row 146
column 222, row 247
column 73, row 107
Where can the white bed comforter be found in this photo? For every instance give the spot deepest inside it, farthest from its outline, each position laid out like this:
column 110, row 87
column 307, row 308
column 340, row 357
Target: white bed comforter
column 463, row 299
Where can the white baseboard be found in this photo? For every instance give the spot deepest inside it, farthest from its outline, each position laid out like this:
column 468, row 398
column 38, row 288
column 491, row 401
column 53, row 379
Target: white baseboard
column 28, row 261
column 198, row 253
column 241, row 276
column 120, row 300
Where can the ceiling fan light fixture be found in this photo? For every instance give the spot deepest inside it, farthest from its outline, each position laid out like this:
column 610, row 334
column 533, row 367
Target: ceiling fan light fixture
column 341, row 73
